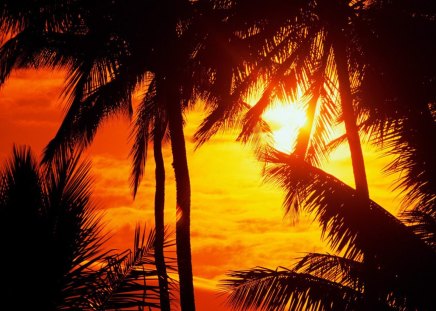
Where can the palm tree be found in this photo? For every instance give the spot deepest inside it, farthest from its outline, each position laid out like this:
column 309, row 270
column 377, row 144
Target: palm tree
column 50, row 237
column 106, row 64
column 398, row 99
column 54, row 241
column 102, row 56
column 151, row 125
column 313, row 43
column 397, row 127
column 128, row 280
column 47, row 46
column 403, row 269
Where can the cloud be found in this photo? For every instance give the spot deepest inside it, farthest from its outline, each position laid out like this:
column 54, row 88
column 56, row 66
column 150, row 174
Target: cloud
column 207, row 297
column 30, row 111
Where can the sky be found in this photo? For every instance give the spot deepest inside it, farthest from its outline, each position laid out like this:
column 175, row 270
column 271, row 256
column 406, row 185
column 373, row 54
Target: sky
column 237, row 219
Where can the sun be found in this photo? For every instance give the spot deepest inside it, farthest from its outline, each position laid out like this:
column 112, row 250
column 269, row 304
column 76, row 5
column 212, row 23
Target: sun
column 285, row 119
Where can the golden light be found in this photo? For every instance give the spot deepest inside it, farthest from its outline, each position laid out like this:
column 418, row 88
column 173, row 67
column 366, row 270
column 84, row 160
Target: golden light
column 285, row 119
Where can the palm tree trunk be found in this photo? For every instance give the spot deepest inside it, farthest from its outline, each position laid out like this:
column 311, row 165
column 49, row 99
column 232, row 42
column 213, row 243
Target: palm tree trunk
column 159, row 203
column 170, row 67
column 183, row 201
column 352, row 132
column 349, row 116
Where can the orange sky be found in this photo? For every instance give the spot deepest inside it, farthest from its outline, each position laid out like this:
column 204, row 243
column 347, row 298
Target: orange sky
column 237, row 220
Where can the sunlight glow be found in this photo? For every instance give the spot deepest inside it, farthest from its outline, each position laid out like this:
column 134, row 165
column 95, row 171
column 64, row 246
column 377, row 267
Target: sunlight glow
column 285, row 119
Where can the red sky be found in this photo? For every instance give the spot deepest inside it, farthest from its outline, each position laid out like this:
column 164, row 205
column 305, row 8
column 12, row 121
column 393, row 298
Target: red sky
column 237, row 220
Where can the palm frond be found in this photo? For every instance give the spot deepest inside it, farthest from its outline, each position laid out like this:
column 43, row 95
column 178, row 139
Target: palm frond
column 423, row 225
column 334, row 268
column 224, row 116
column 414, row 159
column 88, row 111
column 19, row 51
column 342, row 214
column 225, row 109
column 15, row 17
column 35, row 47
column 327, row 113
column 284, row 289
column 51, row 209
column 21, row 186
column 275, row 81
column 396, row 98
column 150, row 124
column 76, row 229
column 311, row 136
column 129, row 279
column 401, row 134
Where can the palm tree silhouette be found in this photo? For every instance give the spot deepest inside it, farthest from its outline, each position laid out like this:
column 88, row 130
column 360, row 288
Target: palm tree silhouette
column 50, row 228
column 90, row 51
column 312, row 42
column 151, row 125
column 398, row 98
column 127, row 280
column 107, row 58
column 367, row 274
column 399, row 277
column 317, row 42
column 48, row 231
